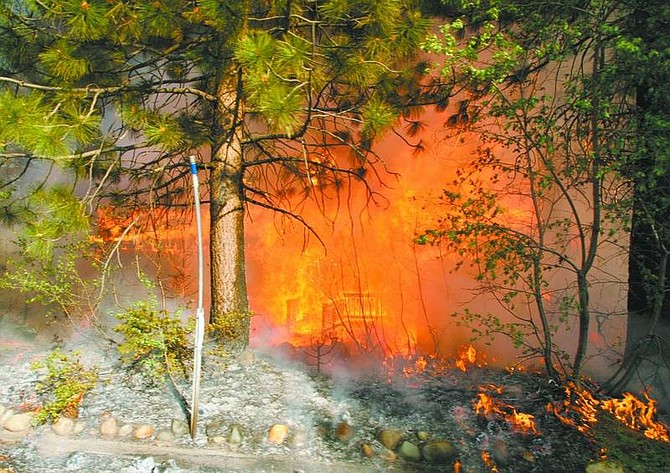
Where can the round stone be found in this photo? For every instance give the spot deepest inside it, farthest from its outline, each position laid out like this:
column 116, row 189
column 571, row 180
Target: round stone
column 277, row 434
column 438, row 451
column 409, row 451
column 390, row 438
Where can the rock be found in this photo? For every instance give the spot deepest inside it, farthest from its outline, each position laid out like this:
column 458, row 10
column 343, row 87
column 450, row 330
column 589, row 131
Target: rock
column 179, row 427
column 390, row 438
column 165, row 437
column 18, row 422
column 63, row 426
column 216, row 439
column 367, row 450
column 216, row 428
column 422, row 435
column 125, row 430
column 78, row 427
column 344, row 432
column 3, row 409
column 10, row 438
column 6, row 414
column 235, row 435
column 389, row 455
column 109, row 427
column 500, row 453
column 409, row 451
column 143, row 431
column 605, row 466
column 277, row 434
column 438, row 452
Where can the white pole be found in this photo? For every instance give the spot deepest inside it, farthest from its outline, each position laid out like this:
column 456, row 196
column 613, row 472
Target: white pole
column 200, row 311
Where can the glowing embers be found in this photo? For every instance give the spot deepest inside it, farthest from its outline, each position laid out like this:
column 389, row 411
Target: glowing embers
column 580, row 410
column 490, row 407
column 488, row 461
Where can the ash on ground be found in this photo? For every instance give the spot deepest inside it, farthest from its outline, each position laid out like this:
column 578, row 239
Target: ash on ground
column 259, row 413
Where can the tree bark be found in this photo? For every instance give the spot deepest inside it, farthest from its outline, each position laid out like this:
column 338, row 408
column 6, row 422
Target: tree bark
column 229, row 300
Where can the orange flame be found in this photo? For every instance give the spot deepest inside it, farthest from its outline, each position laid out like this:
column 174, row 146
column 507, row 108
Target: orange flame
column 488, row 461
column 487, row 405
column 637, row 415
column 467, row 356
column 580, row 410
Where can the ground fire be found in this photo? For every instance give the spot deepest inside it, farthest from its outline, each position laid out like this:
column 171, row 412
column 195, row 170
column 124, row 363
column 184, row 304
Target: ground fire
column 580, row 410
column 375, row 292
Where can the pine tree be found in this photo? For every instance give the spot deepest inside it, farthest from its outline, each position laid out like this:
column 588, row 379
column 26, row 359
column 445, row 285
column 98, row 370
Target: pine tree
column 272, row 95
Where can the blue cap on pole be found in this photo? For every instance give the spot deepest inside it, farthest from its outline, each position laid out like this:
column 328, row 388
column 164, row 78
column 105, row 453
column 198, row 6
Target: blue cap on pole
column 194, row 166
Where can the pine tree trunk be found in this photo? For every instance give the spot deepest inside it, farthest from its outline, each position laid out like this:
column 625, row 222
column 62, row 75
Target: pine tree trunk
column 229, row 301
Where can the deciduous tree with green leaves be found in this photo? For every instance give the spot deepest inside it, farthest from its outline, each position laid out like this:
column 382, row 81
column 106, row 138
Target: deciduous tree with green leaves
column 278, row 99
column 554, row 86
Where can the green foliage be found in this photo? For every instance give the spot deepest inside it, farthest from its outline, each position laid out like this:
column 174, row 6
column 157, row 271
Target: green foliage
column 53, row 244
column 155, row 343
column 377, row 117
column 53, row 218
column 231, row 327
column 61, row 61
column 533, row 205
column 63, row 384
column 121, row 92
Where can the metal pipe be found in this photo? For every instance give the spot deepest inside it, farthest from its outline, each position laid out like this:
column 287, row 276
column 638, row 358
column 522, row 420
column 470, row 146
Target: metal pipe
column 200, row 311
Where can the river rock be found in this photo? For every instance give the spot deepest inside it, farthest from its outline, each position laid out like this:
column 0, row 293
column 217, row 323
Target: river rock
column 422, row 435
column 79, row 427
column 367, row 450
column 277, row 433
column 6, row 415
column 63, row 426
column 438, row 452
column 344, row 432
column 125, row 430
column 409, row 451
column 179, row 427
column 18, row 422
column 216, row 428
column 390, row 438
column 235, row 435
column 109, row 427
column 143, row 431
column 164, row 437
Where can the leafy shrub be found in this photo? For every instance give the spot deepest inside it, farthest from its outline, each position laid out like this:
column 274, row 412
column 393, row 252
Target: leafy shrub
column 231, row 330
column 63, row 386
column 155, row 343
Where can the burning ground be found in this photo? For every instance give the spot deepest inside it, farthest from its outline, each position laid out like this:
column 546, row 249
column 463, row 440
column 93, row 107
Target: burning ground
column 260, row 413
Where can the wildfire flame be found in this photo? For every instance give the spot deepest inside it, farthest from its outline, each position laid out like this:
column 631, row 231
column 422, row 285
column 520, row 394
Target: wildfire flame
column 487, row 405
column 467, row 356
column 580, row 410
column 488, row 461
column 637, row 415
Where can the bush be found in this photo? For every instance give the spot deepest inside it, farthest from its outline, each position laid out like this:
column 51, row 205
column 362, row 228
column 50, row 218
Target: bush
column 231, row 329
column 155, row 343
column 63, row 385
